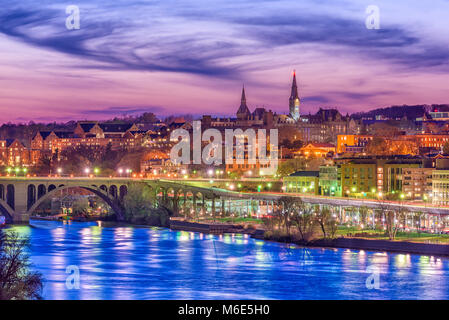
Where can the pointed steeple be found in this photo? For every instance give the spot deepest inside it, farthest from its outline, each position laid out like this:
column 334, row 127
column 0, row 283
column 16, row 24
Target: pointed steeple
column 243, row 111
column 243, row 100
column 294, row 101
column 294, row 93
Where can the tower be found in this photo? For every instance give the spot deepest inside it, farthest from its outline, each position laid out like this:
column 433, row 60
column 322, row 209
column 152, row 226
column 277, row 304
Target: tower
column 243, row 111
column 294, row 101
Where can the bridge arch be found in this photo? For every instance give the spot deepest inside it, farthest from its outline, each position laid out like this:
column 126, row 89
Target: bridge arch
column 31, row 195
column 113, row 191
column 123, row 191
column 10, row 196
column 41, row 190
column 97, row 191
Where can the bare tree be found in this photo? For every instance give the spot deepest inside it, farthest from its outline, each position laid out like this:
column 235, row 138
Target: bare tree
column 326, row 221
column 303, row 219
column 393, row 221
column 16, row 281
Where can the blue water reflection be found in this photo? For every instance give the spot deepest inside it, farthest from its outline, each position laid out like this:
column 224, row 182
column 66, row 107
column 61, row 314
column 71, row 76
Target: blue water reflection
column 152, row 263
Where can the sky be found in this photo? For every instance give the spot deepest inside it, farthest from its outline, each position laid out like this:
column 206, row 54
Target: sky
column 193, row 56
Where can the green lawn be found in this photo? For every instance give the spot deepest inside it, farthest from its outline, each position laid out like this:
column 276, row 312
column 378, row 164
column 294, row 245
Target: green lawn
column 400, row 236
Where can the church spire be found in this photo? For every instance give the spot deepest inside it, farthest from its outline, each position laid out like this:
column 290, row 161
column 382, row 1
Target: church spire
column 243, row 100
column 294, row 101
column 294, row 93
column 243, row 111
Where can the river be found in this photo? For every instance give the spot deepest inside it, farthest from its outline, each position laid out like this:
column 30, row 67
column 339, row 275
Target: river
column 121, row 262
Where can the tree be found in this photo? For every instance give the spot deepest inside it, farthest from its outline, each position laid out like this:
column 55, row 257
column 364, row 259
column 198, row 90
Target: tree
column 137, row 202
column 393, row 221
column 418, row 215
column 303, row 219
column 290, row 166
column 327, row 223
column 377, row 146
column 16, row 281
column 81, row 206
column 290, row 206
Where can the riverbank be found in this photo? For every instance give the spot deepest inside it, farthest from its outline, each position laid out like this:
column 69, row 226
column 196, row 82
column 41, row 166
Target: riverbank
column 213, row 228
column 342, row 242
column 429, row 249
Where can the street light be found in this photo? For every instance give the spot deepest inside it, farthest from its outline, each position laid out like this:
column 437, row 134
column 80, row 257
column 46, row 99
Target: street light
column 59, row 171
column 86, row 171
column 96, row 171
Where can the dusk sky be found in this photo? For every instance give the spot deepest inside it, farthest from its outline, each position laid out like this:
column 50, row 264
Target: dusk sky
column 192, row 57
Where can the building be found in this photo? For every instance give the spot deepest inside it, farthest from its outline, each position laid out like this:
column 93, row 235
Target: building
column 90, row 134
column 103, row 130
column 316, row 150
column 431, row 141
column 387, row 172
column 330, row 181
column 302, row 182
column 358, row 179
column 326, row 125
column 417, row 183
column 293, row 101
column 352, row 143
column 440, row 187
column 14, row 153
column 440, row 182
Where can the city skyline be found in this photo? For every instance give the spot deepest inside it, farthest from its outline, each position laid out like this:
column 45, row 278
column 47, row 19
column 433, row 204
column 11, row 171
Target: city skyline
column 193, row 59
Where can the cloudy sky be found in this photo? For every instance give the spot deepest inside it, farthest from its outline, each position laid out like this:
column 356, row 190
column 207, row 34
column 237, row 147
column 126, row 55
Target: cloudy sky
column 192, row 56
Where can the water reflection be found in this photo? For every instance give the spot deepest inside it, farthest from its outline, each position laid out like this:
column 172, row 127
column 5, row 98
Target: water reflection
column 154, row 263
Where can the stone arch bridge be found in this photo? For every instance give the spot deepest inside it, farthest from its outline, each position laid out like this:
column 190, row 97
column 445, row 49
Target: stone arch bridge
column 20, row 196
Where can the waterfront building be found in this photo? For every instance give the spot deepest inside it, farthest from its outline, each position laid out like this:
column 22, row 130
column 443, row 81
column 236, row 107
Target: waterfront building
column 440, row 182
column 302, row 182
column 440, row 187
column 358, row 179
column 330, row 181
column 393, row 174
column 381, row 174
column 417, row 183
